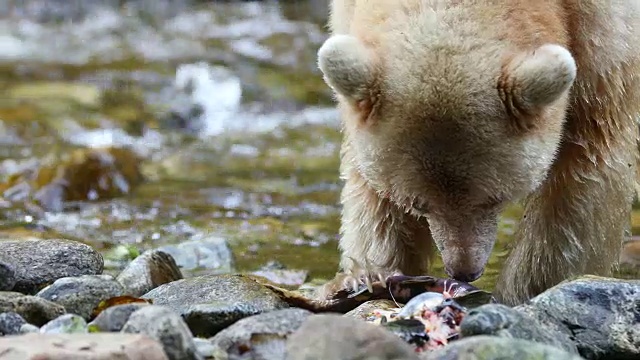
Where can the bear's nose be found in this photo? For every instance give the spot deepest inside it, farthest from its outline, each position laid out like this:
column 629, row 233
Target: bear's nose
column 465, row 276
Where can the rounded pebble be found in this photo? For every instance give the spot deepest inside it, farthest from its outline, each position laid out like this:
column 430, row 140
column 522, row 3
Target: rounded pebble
column 39, row 262
column 81, row 295
column 7, row 276
column 10, row 323
column 148, row 271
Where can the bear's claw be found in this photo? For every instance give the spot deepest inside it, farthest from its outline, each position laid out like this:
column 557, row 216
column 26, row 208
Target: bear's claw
column 353, row 278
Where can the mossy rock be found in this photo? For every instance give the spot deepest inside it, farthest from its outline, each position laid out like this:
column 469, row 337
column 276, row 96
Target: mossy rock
column 82, row 174
column 484, row 347
column 81, row 94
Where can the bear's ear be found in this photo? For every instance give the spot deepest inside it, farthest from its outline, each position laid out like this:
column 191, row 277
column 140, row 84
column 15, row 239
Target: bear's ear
column 531, row 81
column 348, row 68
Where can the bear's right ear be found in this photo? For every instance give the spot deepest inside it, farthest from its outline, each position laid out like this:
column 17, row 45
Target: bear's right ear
column 348, row 68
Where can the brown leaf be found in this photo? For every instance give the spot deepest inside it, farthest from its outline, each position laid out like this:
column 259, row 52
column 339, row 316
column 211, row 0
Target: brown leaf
column 118, row 300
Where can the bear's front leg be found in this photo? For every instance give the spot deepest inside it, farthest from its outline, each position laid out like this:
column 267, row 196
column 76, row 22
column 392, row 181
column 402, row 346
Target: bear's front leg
column 378, row 239
column 573, row 225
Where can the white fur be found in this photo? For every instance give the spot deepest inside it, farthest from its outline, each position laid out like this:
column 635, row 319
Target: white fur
column 471, row 102
column 544, row 76
column 347, row 66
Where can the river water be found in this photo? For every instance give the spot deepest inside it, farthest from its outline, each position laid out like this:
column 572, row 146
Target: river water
column 140, row 124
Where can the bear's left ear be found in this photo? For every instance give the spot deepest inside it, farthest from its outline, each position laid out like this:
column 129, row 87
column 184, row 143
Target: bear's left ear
column 531, row 81
column 349, row 69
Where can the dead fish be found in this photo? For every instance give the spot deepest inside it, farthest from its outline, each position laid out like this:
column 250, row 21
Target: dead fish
column 400, row 289
column 428, row 300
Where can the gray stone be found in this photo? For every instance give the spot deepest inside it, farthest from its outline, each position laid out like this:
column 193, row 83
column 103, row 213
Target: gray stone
column 28, row 328
column 213, row 302
column 601, row 315
column 205, row 348
column 39, row 262
column 202, row 252
column 332, row 336
column 10, row 323
column 34, row 310
column 112, row 319
column 81, row 295
column 100, row 346
column 7, row 276
column 283, row 277
column 167, row 327
column 148, row 271
column 503, row 321
column 484, row 347
column 65, row 324
column 260, row 336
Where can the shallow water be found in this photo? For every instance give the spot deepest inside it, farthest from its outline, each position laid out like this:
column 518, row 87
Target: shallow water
column 221, row 102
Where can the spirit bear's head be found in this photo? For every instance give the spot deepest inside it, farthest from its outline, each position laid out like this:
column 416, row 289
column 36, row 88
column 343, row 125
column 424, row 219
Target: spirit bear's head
column 451, row 131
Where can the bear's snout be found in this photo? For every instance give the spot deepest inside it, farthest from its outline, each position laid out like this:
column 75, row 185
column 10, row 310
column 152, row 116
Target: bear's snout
column 465, row 243
column 464, row 275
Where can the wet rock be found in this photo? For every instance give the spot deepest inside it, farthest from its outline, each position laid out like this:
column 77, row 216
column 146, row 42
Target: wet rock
column 283, row 277
column 87, row 174
column 10, row 323
column 101, row 346
column 81, row 295
column 7, row 276
column 39, row 262
column 167, row 327
column 113, row 318
column 485, row 347
column 202, row 252
column 65, row 324
column 260, row 336
column 363, row 311
column 148, row 271
column 503, row 321
column 329, row 336
column 183, row 115
column 412, row 331
column 599, row 314
column 84, row 174
column 204, row 348
column 33, row 309
column 28, row 328
column 209, row 98
column 273, row 265
column 213, row 302
column 82, row 94
column 277, row 273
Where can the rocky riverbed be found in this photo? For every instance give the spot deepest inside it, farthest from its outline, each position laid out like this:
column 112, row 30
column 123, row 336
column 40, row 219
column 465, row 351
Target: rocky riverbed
column 56, row 303
column 157, row 157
